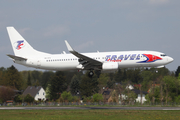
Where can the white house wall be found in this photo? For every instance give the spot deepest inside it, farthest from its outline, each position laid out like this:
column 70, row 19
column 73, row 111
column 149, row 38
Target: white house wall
column 138, row 99
column 130, row 87
column 40, row 95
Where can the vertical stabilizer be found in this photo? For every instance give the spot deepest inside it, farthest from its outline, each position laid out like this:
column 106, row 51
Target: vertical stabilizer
column 20, row 46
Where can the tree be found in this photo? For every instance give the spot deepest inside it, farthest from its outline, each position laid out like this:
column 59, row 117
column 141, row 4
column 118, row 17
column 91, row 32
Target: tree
column 29, row 79
column 45, row 78
column 88, row 86
column 171, row 86
column 1, row 78
column 102, row 80
column 97, row 97
column 13, row 78
column 124, row 77
column 74, row 85
column 97, row 72
column 119, row 90
column 2, row 69
column 163, row 72
column 48, row 93
column 36, row 77
column 57, row 85
column 147, row 77
column 110, row 84
column 136, row 76
column 18, row 99
column 6, row 93
column 131, row 96
column 177, row 71
column 24, row 75
column 154, row 93
column 2, row 72
column 177, row 99
column 118, row 76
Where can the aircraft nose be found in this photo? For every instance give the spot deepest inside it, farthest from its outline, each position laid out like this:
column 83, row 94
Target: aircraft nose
column 170, row 59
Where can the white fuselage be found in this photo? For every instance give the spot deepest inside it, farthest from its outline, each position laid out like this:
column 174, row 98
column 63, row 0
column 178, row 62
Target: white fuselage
column 124, row 59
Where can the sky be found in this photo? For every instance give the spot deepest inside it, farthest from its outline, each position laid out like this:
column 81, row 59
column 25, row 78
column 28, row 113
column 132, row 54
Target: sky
column 91, row 25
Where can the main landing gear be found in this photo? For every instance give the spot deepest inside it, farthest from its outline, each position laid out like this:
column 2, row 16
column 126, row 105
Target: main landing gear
column 90, row 74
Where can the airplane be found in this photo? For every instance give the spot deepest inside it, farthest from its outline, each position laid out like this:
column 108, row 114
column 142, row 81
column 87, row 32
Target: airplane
column 25, row 54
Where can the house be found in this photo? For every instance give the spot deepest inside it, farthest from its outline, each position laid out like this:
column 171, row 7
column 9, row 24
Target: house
column 138, row 92
column 122, row 97
column 106, row 94
column 35, row 91
column 129, row 86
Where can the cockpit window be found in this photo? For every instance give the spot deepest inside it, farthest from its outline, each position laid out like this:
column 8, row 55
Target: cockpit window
column 163, row 55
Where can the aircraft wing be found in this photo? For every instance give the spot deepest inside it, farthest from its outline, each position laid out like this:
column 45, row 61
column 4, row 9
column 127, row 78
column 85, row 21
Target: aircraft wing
column 87, row 62
column 16, row 57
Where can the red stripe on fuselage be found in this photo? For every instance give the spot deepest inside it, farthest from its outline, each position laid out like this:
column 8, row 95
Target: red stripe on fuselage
column 152, row 58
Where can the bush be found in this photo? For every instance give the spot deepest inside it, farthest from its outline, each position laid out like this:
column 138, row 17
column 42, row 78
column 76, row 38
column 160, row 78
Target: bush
column 97, row 97
column 18, row 98
column 177, row 99
column 66, row 96
column 87, row 99
column 28, row 98
column 75, row 99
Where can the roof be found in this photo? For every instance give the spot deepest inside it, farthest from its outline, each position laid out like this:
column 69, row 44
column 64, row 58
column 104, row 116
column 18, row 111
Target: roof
column 138, row 91
column 17, row 91
column 107, row 92
column 32, row 90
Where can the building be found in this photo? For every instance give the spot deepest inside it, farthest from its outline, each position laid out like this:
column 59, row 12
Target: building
column 35, row 91
column 138, row 92
column 106, row 94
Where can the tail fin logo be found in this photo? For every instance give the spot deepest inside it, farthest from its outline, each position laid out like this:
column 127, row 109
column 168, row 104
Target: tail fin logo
column 19, row 44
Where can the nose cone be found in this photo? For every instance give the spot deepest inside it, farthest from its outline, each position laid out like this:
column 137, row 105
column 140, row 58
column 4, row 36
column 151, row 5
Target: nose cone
column 170, row 59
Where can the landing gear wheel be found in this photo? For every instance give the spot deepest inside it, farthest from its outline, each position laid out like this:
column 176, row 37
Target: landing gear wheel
column 91, row 73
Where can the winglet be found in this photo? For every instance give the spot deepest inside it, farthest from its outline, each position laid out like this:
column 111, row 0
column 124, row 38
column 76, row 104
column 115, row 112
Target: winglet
column 68, row 46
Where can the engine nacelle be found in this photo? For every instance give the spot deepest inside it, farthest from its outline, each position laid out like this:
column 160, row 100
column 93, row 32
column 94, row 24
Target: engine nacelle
column 108, row 66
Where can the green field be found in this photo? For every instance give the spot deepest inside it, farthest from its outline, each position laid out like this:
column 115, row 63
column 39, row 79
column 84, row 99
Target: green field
column 88, row 115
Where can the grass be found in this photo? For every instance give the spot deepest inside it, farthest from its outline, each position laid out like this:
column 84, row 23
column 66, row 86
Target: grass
column 88, row 115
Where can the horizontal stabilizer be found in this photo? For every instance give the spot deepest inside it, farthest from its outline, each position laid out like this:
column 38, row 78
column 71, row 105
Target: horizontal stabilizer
column 16, row 57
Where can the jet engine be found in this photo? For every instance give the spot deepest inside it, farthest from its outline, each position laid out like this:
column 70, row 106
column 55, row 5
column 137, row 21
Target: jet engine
column 109, row 66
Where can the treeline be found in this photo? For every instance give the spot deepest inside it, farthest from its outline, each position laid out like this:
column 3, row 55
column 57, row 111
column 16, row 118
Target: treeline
column 162, row 85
